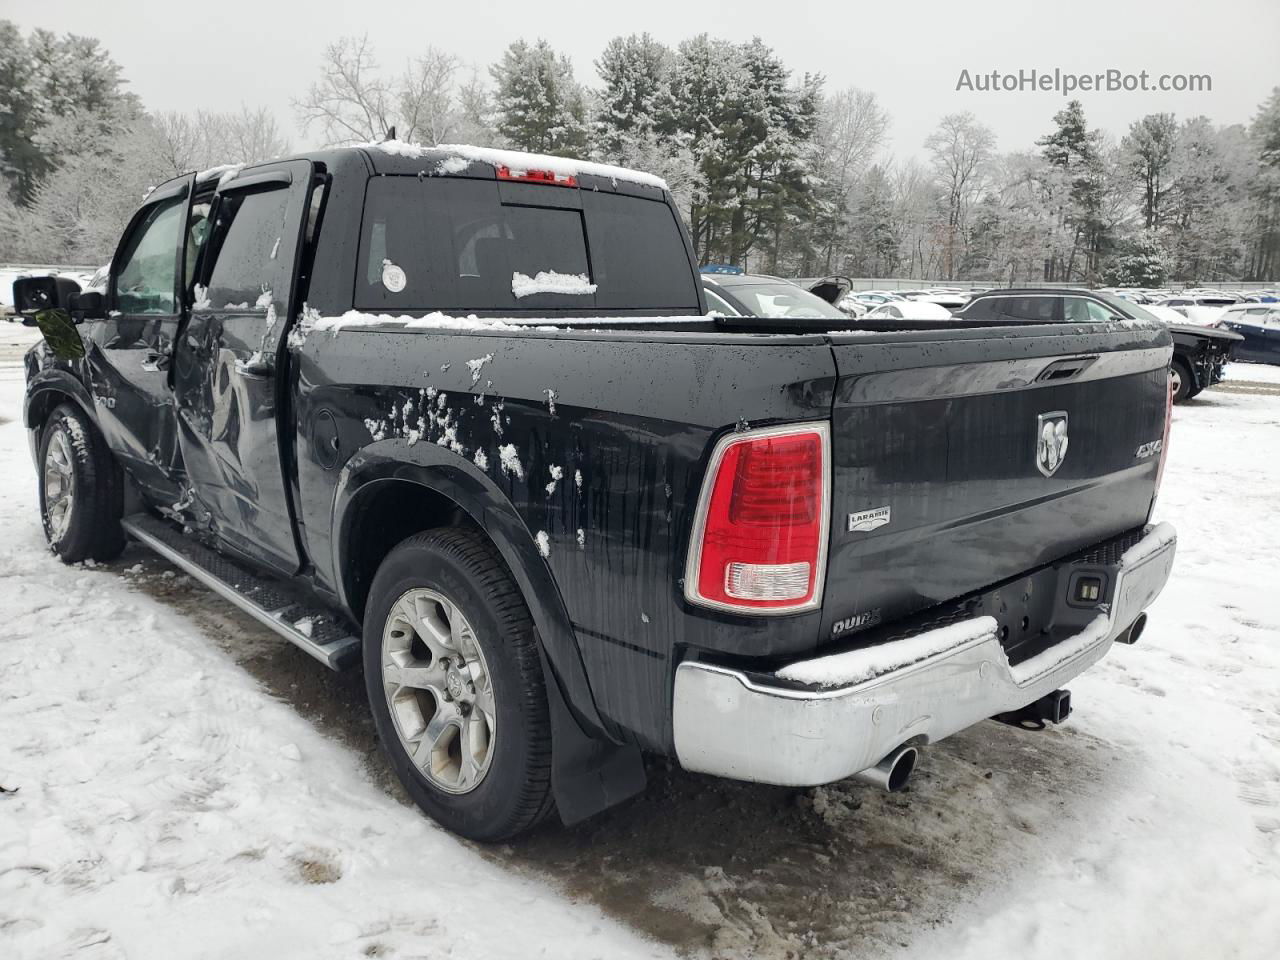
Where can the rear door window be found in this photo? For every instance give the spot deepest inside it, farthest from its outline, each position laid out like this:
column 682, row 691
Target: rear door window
column 1098, row 313
column 1077, row 310
column 246, row 241
column 449, row 243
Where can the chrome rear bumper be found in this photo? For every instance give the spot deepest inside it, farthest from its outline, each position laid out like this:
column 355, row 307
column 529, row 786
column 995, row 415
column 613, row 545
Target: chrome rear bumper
column 741, row 726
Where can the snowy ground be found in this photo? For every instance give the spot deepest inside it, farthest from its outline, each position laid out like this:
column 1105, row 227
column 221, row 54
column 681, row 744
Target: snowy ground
column 180, row 783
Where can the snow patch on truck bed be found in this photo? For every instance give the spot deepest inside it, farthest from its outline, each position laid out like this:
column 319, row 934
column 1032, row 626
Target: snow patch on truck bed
column 856, row 666
column 518, row 161
column 355, row 320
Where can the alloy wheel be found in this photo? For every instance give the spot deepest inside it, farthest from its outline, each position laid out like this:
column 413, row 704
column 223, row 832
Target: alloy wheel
column 439, row 690
column 59, row 485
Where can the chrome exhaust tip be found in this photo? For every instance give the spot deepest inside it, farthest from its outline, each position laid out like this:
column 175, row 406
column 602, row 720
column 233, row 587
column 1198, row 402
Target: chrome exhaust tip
column 893, row 772
column 1135, row 630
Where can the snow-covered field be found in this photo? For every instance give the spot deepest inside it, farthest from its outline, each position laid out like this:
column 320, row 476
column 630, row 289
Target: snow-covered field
column 177, row 783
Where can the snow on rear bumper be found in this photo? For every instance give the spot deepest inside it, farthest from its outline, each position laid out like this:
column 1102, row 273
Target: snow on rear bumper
column 732, row 724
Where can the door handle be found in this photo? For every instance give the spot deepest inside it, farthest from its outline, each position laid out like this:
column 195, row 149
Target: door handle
column 155, row 360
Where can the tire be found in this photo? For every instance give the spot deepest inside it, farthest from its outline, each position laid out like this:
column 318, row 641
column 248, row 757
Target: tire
column 1183, row 384
column 451, row 583
column 80, row 489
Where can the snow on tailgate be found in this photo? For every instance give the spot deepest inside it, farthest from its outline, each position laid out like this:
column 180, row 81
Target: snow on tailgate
column 855, row 666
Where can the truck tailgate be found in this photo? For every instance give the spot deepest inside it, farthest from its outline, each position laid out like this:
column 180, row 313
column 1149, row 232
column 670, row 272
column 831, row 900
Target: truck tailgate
column 941, row 482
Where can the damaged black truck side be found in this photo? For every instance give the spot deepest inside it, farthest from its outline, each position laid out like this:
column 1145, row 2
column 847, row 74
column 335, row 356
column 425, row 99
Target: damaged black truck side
column 461, row 417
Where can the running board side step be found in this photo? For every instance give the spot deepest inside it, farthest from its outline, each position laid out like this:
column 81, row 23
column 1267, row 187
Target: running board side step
column 268, row 601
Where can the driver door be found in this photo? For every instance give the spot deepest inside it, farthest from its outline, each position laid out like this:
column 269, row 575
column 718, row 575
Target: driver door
column 229, row 399
column 128, row 351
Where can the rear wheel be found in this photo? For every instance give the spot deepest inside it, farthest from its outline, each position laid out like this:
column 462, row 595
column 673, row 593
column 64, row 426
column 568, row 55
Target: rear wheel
column 455, row 684
column 1181, row 381
column 80, row 497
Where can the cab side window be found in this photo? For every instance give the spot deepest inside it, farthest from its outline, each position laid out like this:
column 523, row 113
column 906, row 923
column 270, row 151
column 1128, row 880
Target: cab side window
column 1038, row 309
column 1098, row 313
column 148, row 277
column 1076, row 310
column 983, row 308
column 245, row 244
column 715, row 304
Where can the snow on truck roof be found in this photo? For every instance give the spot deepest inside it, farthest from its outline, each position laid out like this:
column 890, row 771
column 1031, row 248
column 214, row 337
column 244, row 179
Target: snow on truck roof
column 451, row 158
column 454, row 157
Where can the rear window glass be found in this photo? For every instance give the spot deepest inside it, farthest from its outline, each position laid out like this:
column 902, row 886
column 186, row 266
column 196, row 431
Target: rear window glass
column 440, row 243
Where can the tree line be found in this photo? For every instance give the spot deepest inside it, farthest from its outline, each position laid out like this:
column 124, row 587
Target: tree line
column 772, row 170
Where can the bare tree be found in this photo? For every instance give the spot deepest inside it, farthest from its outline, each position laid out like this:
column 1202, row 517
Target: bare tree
column 851, row 129
column 428, row 102
column 350, row 101
column 960, row 149
column 427, row 98
column 251, row 136
column 194, row 141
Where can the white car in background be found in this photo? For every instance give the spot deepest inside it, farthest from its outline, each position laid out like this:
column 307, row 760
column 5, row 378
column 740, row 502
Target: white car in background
column 909, row 310
column 951, row 301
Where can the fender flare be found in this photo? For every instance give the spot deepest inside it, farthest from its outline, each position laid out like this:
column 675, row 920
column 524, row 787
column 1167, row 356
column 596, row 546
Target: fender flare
column 445, row 473
column 59, row 381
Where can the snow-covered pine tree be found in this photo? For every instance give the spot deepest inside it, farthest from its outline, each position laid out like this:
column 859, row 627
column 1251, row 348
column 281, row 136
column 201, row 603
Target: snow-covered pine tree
column 538, row 103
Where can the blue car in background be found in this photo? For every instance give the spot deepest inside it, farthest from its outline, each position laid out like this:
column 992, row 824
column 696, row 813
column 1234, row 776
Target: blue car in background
column 1259, row 324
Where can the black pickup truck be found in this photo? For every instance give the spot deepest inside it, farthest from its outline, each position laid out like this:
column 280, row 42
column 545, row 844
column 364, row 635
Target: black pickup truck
column 462, row 417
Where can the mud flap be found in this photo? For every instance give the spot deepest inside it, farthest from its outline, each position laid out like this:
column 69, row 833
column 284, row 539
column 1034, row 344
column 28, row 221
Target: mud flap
column 588, row 775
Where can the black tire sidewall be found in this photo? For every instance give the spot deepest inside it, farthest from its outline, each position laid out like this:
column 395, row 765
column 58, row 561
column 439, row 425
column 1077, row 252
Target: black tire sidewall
column 76, row 542
column 1184, row 391
column 492, row 809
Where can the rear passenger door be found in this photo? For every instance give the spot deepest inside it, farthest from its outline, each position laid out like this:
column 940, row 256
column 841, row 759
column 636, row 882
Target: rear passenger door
column 229, row 397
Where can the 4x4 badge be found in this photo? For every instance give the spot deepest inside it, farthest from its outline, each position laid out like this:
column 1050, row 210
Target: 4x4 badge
column 866, row 520
column 1051, row 441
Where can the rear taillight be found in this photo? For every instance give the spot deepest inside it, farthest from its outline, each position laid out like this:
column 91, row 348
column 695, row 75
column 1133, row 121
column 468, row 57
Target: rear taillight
column 538, row 176
column 1164, row 438
column 760, row 536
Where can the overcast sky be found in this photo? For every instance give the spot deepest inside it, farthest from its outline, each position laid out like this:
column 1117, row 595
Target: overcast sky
column 217, row 56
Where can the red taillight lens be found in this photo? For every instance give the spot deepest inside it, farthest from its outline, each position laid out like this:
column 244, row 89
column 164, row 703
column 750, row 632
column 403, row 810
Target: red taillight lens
column 760, row 538
column 538, row 176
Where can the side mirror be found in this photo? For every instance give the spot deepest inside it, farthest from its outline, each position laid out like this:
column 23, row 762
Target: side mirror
column 88, row 305
column 33, row 294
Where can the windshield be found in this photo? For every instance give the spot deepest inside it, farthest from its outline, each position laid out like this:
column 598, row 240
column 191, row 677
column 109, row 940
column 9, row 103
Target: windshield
column 1127, row 308
column 779, row 300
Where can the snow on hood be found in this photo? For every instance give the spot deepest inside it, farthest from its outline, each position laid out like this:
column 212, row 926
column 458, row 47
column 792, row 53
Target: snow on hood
column 517, row 161
column 548, row 281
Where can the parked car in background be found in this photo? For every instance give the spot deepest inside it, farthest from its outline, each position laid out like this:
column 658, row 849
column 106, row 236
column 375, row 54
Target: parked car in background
column 910, row 310
column 1259, row 325
column 952, row 301
column 755, row 295
column 1199, row 353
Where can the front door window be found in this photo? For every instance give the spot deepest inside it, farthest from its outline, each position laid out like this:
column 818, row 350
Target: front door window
column 146, row 282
